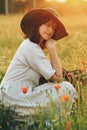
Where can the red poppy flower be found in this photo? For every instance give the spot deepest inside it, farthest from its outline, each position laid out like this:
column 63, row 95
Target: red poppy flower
column 24, row 89
column 65, row 98
column 70, row 75
column 83, row 62
column 78, row 77
column 57, row 86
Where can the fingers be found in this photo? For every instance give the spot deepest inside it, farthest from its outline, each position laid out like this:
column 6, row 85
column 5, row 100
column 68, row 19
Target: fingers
column 50, row 43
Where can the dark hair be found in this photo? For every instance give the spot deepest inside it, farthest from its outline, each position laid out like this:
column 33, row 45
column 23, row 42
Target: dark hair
column 34, row 20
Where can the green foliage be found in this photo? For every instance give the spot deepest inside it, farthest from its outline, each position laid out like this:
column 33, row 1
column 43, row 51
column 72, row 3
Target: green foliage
column 49, row 118
column 6, row 118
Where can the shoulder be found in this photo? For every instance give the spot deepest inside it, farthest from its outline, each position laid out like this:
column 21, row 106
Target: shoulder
column 29, row 44
column 29, row 47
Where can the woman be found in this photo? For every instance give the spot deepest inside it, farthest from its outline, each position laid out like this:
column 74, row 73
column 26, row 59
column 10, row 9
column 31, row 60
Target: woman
column 42, row 29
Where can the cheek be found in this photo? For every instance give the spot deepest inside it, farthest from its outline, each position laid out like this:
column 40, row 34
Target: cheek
column 41, row 29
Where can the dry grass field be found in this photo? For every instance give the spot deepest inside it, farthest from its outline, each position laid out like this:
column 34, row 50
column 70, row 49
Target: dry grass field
column 72, row 51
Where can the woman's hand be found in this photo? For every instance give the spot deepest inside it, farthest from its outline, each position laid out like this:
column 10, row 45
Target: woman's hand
column 50, row 43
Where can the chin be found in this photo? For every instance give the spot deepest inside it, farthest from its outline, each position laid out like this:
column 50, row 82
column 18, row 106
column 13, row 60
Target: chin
column 46, row 38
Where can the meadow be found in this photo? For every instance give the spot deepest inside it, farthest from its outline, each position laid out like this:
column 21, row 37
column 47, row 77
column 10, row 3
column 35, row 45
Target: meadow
column 72, row 52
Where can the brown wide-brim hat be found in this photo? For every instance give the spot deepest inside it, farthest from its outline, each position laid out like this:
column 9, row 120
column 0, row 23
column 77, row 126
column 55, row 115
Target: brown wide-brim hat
column 38, row 13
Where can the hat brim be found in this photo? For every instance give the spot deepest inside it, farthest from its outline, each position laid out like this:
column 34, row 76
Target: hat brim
column 60, row 31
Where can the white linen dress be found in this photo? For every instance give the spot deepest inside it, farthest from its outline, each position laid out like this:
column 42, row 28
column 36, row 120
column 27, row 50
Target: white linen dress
column 28, row 64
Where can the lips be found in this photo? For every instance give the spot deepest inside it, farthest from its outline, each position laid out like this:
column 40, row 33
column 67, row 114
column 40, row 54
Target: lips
column 48, row 34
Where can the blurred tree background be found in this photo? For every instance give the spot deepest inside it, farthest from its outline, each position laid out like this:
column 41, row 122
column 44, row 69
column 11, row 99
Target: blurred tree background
column 19, row 6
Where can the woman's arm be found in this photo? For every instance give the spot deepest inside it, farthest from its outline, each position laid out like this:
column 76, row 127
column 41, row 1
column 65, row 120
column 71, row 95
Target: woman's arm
column 50, row 44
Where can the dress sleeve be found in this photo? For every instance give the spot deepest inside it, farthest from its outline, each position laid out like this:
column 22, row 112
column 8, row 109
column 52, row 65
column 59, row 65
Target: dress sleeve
column 39, row 62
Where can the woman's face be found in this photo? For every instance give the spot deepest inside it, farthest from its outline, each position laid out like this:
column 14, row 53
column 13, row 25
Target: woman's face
column 47, row 30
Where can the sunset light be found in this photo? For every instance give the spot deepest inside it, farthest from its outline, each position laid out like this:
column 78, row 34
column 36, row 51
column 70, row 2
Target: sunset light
column 56, row 1
column 61, row 1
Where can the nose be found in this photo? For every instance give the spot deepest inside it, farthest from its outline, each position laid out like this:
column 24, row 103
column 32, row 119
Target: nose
column 50, row 29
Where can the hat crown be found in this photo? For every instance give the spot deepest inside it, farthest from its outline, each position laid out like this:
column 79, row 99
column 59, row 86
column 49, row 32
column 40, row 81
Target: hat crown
column 35, row 17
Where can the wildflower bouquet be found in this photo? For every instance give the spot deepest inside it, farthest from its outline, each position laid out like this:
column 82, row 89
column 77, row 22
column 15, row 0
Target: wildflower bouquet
column 76, row 75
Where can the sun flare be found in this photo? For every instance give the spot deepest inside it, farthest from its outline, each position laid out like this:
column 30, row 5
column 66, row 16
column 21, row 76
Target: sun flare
column 61, row 1
column 56, row 1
